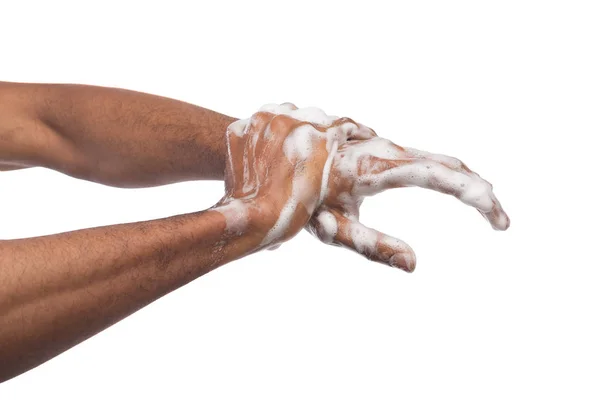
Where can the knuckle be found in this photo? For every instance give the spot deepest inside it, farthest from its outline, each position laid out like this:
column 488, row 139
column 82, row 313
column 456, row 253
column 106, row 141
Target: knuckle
column 281, row 124
column 237, row 128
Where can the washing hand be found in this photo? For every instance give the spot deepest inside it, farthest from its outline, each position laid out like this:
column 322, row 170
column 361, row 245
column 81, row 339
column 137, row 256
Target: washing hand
column 302, row 168
column 277, row 169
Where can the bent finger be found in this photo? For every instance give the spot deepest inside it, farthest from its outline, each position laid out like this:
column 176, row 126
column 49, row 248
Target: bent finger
column 332, row 227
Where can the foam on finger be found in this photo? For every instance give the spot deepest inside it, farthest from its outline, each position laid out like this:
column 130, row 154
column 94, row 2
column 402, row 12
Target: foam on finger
column 377, row 164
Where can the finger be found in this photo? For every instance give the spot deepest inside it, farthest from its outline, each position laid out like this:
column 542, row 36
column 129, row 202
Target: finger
column 279, row 108
column 305, row 153
column 350, row 130
column 235, row 162
column 298, row 202
column 429, row 174
column 290, row 106
column 332, row 227
column 497, row 217
column 363, row 132
column 252, row 151
column 245, row 146
column 450, row 162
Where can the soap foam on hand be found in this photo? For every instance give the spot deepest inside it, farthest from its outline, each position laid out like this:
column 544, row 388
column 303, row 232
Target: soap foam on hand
column 314, row 131
column 358, row 164
column 367, row 167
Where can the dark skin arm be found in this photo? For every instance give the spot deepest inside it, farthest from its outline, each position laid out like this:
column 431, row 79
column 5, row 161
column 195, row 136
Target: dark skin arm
column 61, row 289
column 112, row 136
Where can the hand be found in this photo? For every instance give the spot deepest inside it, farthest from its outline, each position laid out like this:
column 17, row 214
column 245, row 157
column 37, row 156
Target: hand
column 277, row 169
column 367, row 167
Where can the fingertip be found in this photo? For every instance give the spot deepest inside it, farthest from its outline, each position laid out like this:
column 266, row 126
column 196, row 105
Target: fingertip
column 290, row 106
column 325, row 226
column 502, row 223
column 499, row 219
column 361, row 132
column 237, row 128
column 404, row 261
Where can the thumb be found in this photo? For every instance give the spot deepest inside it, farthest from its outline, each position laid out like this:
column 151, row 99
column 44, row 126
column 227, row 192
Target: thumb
column 332, row 227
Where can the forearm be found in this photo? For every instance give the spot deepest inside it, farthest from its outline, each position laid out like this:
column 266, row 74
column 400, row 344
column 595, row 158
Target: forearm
column 112, row 136
column 58, row 290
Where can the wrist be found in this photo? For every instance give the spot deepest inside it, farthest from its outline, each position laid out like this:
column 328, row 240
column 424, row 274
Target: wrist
column 250, row 218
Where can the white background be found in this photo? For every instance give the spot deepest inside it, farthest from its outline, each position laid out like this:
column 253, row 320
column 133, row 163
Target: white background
column 512, row 88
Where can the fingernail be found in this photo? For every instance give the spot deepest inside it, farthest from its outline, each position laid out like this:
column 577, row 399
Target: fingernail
column 502, row 222
column 404, row 261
